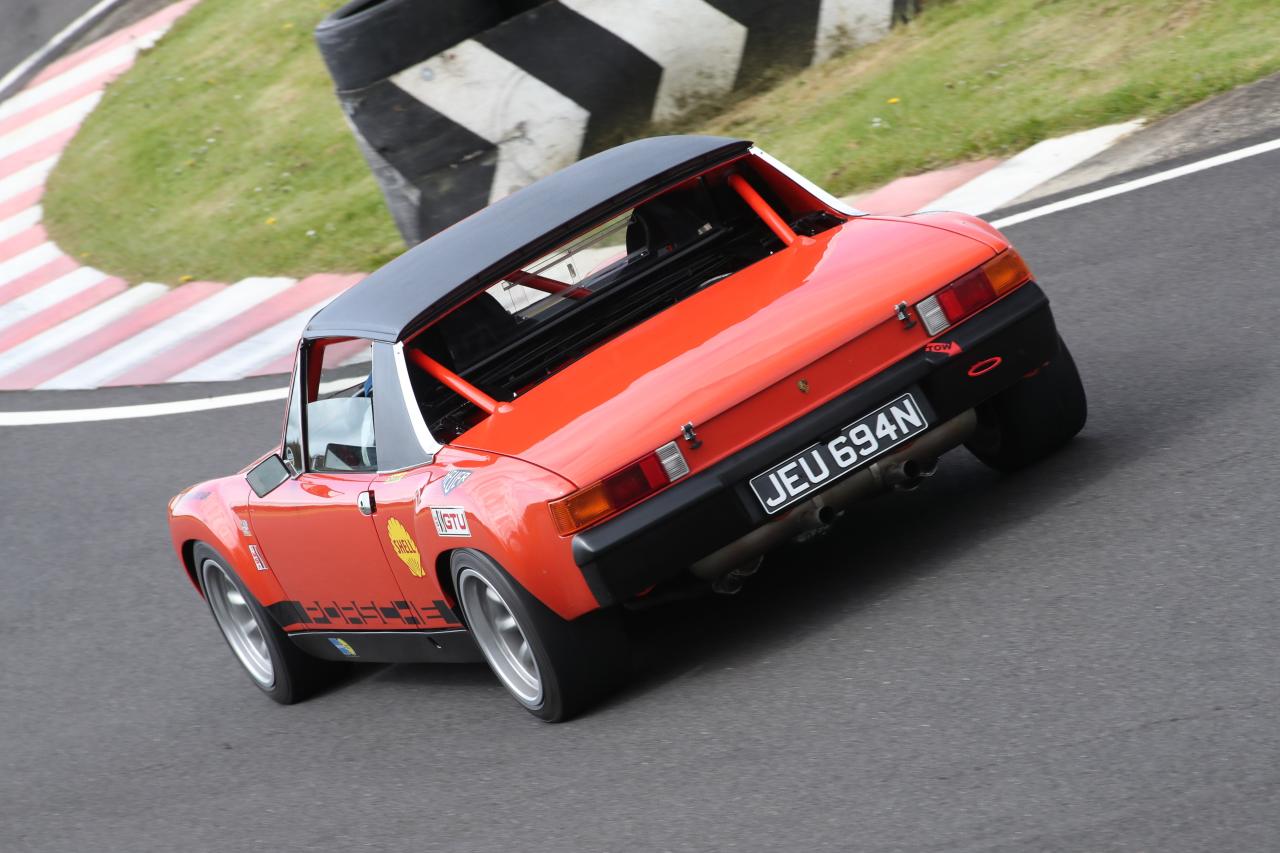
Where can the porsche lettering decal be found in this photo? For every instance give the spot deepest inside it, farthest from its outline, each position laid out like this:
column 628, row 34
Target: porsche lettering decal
column 450, row 520
column 406, row 549
column 379, row 614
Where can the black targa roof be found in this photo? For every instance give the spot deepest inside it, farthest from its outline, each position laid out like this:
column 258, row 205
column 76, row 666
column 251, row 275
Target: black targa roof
column 434, row 275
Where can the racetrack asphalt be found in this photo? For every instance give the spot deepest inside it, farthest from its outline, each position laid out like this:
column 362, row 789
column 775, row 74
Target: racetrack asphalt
column 1078, row 657
column 25, row 26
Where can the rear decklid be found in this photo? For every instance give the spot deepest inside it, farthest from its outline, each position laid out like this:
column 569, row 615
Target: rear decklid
column 726, row 358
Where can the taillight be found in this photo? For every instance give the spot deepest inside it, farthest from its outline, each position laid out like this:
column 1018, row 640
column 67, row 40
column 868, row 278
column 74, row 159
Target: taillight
column 619, row 490
column 973, row 291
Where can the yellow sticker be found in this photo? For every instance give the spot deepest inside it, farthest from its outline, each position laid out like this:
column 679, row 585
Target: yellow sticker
column 396, row 477
column 405, row 547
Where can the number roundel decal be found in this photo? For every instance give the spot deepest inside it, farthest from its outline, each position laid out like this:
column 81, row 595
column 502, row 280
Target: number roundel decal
column 406, row 549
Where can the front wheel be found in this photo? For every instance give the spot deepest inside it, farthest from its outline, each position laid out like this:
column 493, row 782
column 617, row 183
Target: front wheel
column 554, row 667
column 1035, row 417
column 275, row 665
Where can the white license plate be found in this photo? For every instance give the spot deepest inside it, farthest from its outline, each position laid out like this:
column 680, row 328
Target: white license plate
column 820, row 464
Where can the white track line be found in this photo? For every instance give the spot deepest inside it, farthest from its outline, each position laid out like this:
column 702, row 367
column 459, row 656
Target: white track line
column 91, row 69
column 72, row 330
column 1029, row 169
column 1139, row 183
column 238, row 361
column 20, row 222
column 151, row 410
column 29, row 261
column 46, row 296
column 54, row 43
column 63, row 118
column 25, row 179
column 144, row 410
column 178, row 407
column 169, row 333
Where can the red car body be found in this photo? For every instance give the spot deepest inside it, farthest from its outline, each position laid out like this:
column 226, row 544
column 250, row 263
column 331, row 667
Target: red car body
column 820, row 327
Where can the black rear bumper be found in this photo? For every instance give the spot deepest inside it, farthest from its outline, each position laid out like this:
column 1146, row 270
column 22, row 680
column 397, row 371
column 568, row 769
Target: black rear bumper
column 661, row 536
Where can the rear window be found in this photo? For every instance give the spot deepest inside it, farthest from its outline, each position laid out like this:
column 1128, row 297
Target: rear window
column 554, row 309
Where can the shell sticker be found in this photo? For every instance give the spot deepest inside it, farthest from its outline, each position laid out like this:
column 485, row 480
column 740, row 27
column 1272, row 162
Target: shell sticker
column 406, row 549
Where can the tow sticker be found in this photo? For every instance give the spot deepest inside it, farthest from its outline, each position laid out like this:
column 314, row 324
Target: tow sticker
column 944, row 347
column 406, row 549
column 450, row 520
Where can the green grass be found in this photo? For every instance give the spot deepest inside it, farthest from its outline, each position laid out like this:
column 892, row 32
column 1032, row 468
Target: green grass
column 223, row 153
column 976, row 78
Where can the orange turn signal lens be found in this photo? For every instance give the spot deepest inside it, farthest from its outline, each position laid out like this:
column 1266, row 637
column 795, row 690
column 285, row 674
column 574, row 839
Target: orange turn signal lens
column 581, row 509
column 1005, row 271
column 618, row 491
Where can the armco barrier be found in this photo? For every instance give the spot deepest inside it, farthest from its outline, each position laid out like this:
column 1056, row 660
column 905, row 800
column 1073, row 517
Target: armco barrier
column 456, row 103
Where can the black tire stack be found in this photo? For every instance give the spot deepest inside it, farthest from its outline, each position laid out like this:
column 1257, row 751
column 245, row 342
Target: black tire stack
column 433, row 170
column 364, row 43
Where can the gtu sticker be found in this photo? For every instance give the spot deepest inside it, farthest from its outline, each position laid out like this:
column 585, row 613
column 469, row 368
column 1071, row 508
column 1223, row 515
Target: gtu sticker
column 257, row 558
column 406, row 549
column 450, row 520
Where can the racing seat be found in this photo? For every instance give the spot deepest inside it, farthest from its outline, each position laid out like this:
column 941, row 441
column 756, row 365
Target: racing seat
column 466, row 335
column 665, row 223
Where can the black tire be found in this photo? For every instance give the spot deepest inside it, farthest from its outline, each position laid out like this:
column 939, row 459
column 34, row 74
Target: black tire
column 294, row 674
column 1035, row 417
column 577, row 662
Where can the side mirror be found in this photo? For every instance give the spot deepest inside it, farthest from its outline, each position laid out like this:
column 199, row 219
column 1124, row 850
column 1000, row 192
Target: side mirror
column 267, row 475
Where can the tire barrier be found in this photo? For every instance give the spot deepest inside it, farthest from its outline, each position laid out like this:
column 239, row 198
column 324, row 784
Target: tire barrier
column 456, row 103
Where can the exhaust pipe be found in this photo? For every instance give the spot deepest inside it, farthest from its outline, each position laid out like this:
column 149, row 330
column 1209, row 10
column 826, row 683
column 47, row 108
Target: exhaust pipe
column 906, row 476
column 903, row 470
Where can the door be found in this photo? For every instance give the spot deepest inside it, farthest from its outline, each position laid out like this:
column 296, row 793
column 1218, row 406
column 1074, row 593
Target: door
column 317, row 531
column 410, row 550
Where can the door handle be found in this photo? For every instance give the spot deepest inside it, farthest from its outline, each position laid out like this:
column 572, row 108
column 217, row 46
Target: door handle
column 366, row 504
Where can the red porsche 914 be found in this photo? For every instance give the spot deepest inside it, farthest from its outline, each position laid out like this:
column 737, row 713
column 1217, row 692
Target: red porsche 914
column 645, row 370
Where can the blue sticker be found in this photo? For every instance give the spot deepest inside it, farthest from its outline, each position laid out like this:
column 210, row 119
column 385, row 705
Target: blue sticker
column 343, row 646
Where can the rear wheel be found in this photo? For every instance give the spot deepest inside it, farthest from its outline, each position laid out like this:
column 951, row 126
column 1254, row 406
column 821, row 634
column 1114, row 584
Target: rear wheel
column 555, row 668
column 277, row 667
column 1027, row 422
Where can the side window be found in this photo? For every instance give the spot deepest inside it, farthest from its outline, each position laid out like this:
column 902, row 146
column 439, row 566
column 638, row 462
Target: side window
column 339, row 411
